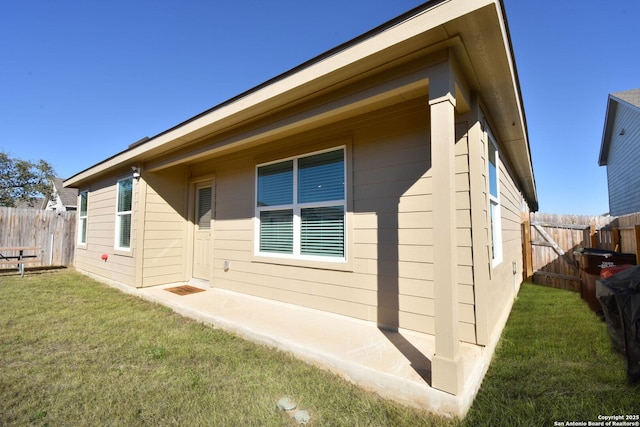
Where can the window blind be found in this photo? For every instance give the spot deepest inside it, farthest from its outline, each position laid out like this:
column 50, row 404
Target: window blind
column 321, row 177
column 204, row 208
column 276, row 231
column 124, row 234
column 124, row 195
column 322, row 231
column 83, row 203
column 275, row 184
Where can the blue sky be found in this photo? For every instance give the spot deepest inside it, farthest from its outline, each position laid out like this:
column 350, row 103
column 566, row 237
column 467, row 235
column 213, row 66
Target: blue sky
column 80, row 81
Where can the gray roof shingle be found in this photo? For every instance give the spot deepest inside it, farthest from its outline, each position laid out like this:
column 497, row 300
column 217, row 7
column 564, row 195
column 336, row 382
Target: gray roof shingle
column 631, row 96
column 69, row 196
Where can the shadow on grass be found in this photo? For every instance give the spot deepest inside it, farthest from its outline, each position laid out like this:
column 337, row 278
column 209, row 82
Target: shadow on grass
column 32, row 270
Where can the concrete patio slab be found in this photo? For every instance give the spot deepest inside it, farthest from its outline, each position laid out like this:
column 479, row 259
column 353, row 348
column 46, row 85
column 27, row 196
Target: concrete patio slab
column 395, row 365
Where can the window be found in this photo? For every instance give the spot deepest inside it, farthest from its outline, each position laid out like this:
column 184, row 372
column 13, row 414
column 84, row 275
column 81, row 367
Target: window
column 204, row 208
column 123, row 214
column 82, row 224
column 300, row 207
column 494, row 202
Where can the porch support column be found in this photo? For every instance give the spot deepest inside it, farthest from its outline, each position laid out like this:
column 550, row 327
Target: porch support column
column 447, row 369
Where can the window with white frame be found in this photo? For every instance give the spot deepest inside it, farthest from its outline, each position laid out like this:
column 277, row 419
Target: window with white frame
column 301, row 206
column 82, row 218
column 123, row 214
column 494, row 202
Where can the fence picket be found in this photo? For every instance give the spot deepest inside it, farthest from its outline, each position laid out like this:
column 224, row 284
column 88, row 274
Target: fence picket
column 554, row 238
column 52, row 232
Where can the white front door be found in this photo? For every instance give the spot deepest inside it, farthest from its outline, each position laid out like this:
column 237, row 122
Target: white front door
column 203, row 202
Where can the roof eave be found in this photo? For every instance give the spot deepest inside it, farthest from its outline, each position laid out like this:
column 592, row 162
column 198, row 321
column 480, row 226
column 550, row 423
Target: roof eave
column 610, row 112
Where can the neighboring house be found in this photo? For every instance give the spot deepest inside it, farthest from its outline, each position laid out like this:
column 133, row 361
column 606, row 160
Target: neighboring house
column 620, row 151
column 61, row 199
column 384, row 180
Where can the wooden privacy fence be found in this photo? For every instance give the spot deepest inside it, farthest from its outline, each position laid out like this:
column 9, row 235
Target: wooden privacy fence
column 550, row 241
column 53, row 233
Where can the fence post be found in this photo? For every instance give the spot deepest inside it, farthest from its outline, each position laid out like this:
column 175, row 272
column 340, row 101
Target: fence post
column 593, row 235
column 526, row 241
column 636, row 228
column 615, row 239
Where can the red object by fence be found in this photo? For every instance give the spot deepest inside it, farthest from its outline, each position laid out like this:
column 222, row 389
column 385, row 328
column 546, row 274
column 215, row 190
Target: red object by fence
column 610, row 271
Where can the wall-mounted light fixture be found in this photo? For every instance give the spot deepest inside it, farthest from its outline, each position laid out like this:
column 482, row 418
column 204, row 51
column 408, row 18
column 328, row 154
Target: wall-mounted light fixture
column 621, row 132
column 136, row 172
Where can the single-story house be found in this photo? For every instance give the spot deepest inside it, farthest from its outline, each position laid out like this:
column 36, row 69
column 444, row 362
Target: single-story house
column 384, row 180
column 620, row 151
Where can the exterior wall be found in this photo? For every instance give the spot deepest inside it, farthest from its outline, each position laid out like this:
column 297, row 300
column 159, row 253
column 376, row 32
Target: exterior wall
column 495, row 287
column 623, row 175
column 101, row 218
column 165, row 239
column 466, row 309
column 503, row 284
column 388, row 278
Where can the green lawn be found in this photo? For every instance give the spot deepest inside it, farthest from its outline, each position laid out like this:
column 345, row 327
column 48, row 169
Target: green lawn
column 554, row 362
column 74, row 352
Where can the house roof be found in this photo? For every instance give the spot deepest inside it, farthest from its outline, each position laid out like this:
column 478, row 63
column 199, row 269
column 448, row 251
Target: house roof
column 628, row 98
column 68, row 196
column 463, row 27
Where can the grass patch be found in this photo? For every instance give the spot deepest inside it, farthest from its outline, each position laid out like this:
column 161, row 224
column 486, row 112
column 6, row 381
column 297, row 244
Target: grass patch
column 554, row 362
column 76, row 352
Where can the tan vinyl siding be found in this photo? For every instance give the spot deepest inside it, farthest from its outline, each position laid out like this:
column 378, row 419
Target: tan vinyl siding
column 390, row 237
column 389, row 246
column 392, row 227
column 464, row 237
column 504, row 284
column 101, row 216
column 623, row 176
column 165, row 231
column 388, row 276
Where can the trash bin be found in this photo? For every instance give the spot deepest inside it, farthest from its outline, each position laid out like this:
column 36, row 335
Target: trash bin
column 619, row 296
column 590, row 263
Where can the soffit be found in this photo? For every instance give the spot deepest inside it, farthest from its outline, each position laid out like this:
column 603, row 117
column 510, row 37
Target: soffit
column 492, row 74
